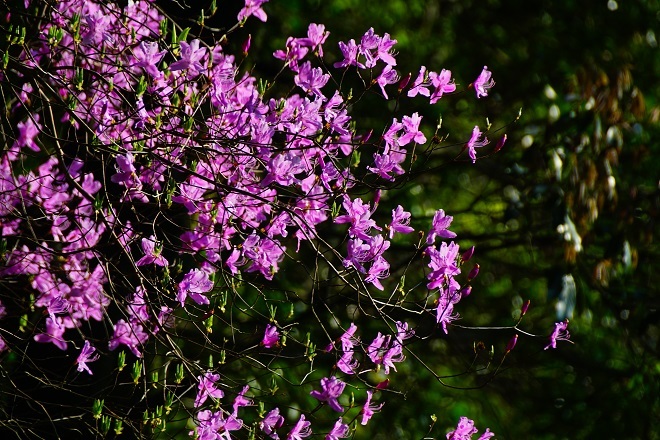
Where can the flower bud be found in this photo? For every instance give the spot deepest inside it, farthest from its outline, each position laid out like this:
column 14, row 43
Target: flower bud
column 330, row 347
column 404, row 82
column 377, row 197
column 524, row 308
column 512, row 343
column 500, row 144
column 474, row 272
column 365, row 137
column 384, row 384
column 467, row 255
column 466, row 291
column 246, row 44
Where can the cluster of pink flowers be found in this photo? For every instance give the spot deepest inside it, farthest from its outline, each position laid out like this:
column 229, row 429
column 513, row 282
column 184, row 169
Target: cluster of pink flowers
column 201, row 141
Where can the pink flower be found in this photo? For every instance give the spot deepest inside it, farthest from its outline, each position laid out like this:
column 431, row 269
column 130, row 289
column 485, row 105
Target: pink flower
column 445, row 310
column 347, row 364
column 54, row 333
column 476, row 142
column 253, row 7
column 358, row 214
column 86, row 355
column 439, row 228
column 348, row 339
column 483, row 83
column 316, row 36
column 340, row 430
column 148, row 57
column 368, row 409
column 240, row 400
column 331, row 389
column 421, row 84
column 442, row 83
column 311, row 79
column 387, row 76
column 130, row 334
column 271, row 337
column 350, row 52
column 378, row 270
column 207, row 388
column 412, row 131
column 191, row 54
column 27, row 132
column 271, row 423
column 300, row 430
column 560, row 333
column 194, row 283
column 151, row 253
column 400, row 222
column 214, row 425
column 465, row 430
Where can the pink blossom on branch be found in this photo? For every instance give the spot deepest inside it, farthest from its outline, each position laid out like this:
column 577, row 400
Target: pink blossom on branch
column 483, row 83
column 271, row 337
column 194, row 284
column 271, row 423
column 466, row 429
column 191, row 55
column 300, row 430
column 253, row 8
column 560, row 333
column 476, row 141
column 152, row 254
column 369, row 409
column 443, row 84
column 87, row 354
column 331, row 389
column 207, row 388
column 339, row 430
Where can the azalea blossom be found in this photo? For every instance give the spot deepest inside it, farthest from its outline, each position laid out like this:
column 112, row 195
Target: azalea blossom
column 191, row 55
column 440, row 227
column 369, row 409
column 339, row 430
column 300, row 430
column 476, row 142
column 214, row 425
column 151, row 253
column 387, row 76
column 560, row 333
column 207, row 388
column 240, row 400
column 271, row 337
column 87, row 354
column 253, row 7
column 466, row 429
column 194, row 283
column 483, row 83
column 421, row 84
column 271, row 423
column 331, row 389
column 443, row 84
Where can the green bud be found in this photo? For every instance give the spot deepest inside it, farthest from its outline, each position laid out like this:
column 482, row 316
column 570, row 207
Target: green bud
column 118, row 427
column 105, row 424
column 137, row 372
column 179, row 374
column 97, row 408
column 121, row 360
